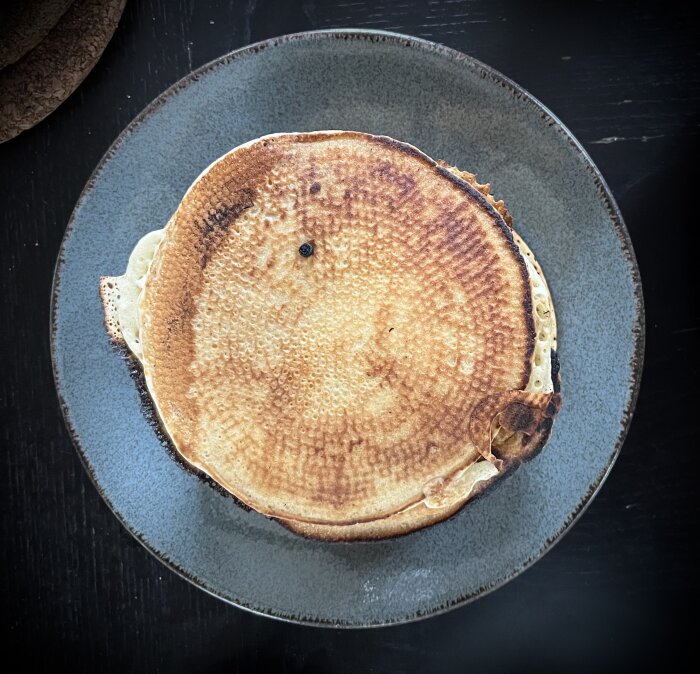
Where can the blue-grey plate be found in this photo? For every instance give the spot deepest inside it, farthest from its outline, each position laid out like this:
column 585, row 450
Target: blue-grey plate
column 452, row 107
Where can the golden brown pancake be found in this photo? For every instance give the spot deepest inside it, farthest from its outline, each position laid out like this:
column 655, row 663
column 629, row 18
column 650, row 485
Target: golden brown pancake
column 342, row 333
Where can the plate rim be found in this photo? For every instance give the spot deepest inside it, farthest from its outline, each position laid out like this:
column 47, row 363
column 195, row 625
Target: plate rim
column 604, row 192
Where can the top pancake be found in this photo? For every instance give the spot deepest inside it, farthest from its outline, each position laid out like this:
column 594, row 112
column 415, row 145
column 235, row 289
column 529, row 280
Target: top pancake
column 340, row 387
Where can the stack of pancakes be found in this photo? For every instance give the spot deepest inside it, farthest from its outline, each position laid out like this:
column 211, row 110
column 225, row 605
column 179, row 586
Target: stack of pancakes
column 343, row 333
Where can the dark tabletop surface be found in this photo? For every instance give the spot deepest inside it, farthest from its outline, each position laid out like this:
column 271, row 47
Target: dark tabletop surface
column 616, row 593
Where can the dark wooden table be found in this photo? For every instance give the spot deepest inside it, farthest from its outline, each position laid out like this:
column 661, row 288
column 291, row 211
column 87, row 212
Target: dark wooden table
column 617, row 592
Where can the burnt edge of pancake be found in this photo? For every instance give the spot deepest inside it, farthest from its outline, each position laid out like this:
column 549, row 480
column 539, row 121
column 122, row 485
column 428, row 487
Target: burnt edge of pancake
column 533, row 443
column 135, row 370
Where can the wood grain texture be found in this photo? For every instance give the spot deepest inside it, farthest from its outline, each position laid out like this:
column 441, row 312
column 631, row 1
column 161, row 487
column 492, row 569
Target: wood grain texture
column 77, row 589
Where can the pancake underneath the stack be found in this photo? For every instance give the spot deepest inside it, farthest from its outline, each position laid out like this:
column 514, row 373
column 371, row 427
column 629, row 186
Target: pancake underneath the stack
column 343, row 333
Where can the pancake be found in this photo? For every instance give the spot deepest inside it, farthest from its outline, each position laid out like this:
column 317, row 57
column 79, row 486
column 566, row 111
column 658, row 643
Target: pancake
column 343, row 333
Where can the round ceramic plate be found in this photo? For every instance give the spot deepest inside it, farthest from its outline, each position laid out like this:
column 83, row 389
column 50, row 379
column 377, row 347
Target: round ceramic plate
column 452, row 107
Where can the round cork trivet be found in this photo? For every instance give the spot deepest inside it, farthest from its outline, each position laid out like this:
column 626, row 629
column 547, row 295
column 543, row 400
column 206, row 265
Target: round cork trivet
column 24, row 24
column 42, row 79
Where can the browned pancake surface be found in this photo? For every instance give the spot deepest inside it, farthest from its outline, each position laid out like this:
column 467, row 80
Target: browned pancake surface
column 332, row 388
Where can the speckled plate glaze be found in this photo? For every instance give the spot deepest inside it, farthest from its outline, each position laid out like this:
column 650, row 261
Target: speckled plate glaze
column 452, row 107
